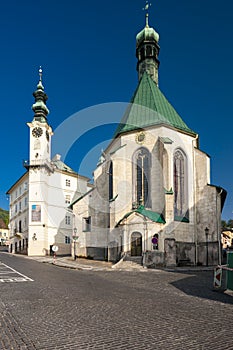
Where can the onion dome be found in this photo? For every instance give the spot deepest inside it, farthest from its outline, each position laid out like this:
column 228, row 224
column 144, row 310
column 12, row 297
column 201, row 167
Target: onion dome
column 147, row 34
column 39, row 107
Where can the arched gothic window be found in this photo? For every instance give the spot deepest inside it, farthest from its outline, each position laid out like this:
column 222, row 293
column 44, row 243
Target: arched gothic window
column 142, row 177
column 180, row 186
column 110, row 174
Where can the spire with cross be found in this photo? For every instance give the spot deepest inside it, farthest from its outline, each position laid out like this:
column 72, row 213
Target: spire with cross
column 147, row 49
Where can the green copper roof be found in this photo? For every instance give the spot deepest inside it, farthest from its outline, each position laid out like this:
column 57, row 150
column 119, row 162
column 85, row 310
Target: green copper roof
column 150, row 107
column 152, row 215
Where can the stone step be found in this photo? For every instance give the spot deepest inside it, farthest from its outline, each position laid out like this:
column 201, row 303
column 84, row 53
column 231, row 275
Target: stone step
column 134, row 259
column 128, row 266
column 185, row 262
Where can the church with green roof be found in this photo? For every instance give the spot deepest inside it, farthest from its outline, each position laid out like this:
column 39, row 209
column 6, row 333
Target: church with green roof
column 152, row 201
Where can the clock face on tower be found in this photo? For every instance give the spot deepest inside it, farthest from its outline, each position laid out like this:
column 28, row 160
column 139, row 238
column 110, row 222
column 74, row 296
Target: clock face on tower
column 37, row 132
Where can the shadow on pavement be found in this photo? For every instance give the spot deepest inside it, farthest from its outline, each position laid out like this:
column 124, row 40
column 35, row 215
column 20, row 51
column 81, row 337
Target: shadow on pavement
column 201, row 285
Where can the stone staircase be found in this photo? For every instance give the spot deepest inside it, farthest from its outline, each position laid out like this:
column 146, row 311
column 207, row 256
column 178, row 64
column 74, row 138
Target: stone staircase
column 135, row 259
column 129, row 263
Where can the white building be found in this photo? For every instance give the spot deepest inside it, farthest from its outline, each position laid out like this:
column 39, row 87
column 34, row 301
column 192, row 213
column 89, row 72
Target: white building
column 39, row 200
column 4, row 233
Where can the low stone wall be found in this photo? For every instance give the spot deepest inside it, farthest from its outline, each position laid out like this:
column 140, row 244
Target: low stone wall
column 97, row 253
column 153, row 259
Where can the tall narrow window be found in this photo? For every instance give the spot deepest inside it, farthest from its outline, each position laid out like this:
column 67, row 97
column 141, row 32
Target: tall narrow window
column 110, row 174
column 87, row 224
column 67, row 240
column 180, row 191
column 67, row 220
column 142, row 177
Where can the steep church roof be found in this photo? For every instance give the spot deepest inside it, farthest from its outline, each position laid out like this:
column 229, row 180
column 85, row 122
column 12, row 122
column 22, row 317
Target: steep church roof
column 149, row 107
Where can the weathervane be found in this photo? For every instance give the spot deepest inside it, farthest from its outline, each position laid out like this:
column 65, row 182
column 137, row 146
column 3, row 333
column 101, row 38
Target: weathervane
column 146, row 8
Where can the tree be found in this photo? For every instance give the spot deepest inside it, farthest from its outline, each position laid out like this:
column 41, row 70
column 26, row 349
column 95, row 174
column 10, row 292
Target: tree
column 4, row 215
column 224, row 224
column 230, row 223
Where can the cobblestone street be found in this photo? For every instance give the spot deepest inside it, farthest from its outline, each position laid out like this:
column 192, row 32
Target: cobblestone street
column 62, row 308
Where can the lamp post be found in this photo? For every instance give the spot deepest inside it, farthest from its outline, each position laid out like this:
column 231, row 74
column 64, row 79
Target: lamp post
column 207, row 247
column 74, row 238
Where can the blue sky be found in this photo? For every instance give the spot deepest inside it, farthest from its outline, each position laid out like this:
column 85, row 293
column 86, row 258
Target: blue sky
column 87, row 51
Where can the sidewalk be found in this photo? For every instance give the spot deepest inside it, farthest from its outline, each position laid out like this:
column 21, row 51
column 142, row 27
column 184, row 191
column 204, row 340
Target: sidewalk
column 97, row 265
column 69, row 262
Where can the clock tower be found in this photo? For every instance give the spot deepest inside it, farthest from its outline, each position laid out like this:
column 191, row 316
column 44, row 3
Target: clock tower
column 40, row 130
column 40, row 169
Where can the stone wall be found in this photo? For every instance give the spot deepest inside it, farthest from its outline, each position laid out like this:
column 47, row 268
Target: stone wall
column 153, row 259
column 185, row 253
column 213, row 254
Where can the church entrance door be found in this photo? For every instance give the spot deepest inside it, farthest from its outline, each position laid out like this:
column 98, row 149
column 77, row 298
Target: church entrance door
column 136, row 244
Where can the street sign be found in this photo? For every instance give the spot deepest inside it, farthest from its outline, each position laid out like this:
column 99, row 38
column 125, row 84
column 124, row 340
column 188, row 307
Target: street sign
column 54, row 248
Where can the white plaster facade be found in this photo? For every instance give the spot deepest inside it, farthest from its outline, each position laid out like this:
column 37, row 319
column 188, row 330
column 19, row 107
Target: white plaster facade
column 50, row 194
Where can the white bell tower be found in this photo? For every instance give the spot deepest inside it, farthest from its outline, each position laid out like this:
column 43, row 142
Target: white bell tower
column 40, row 169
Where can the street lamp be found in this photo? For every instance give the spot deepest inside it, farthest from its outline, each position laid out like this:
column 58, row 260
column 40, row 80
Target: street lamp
column 207, row 248
column 74, row 238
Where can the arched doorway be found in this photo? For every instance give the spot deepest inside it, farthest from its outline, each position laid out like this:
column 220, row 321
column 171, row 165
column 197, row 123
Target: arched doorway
column 136, row 244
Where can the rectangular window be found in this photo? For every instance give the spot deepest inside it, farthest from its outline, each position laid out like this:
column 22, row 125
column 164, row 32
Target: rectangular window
column 67, row 220
column 25, row 186
column 67, row 240
column 25, row 201
column 20, row 206
column 87, row 224
column 67, row 182
column 67, row 199
column 16, row 209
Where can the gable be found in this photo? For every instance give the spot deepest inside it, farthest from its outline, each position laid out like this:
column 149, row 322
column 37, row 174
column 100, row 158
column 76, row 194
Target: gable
column 142, row 212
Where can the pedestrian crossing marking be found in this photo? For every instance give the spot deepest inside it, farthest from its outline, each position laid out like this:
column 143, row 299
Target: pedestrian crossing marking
column 6, row 275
